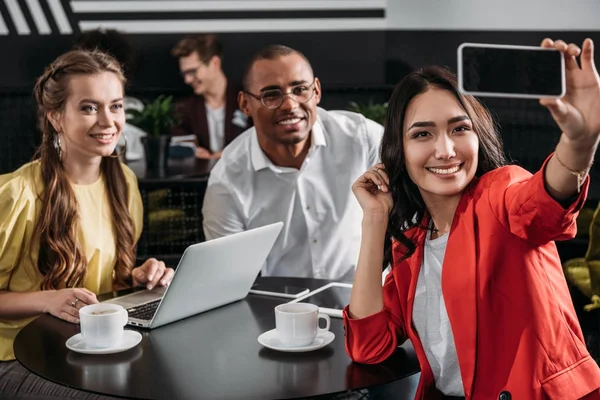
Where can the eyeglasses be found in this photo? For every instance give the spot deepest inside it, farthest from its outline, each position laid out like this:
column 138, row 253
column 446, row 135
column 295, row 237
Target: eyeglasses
column 190, row 72
column 273, row 98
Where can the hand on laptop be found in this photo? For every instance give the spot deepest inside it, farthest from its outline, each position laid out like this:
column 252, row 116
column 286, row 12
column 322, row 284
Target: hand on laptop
column 152, row 273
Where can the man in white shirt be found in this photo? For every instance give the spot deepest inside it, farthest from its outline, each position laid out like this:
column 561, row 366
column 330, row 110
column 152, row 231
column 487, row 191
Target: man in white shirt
column 296, row 165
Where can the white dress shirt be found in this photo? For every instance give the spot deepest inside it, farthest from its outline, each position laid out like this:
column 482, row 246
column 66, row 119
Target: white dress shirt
column 132, row 135
column 215, row 118
column 321, row 216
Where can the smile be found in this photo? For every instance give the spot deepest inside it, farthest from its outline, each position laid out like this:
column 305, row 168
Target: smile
column 445, row 171
column 103, row 136
column 290, row 121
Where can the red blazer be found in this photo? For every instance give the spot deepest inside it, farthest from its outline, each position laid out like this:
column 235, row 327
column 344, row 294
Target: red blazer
column 516, row 331
column 192, row 113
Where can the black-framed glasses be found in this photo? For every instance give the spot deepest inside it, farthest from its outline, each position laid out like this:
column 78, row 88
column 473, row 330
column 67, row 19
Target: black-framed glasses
column 190, row 72
column 273, row 98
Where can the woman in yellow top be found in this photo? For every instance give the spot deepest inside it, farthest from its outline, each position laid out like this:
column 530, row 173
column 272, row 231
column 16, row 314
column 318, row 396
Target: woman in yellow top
column 70, row 220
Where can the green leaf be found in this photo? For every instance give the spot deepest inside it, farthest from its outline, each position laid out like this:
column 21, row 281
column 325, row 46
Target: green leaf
column 373, row 111
column 157, row 118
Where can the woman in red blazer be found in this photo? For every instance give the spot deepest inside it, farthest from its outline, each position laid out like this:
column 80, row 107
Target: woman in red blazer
column 497, row 321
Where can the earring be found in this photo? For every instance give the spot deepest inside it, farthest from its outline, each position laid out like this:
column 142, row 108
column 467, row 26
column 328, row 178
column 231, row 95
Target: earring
column 122, row 149
column 57, row 145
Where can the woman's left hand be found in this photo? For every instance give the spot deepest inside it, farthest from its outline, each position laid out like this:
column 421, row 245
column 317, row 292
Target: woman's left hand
column 152, row 273
column 578, row 112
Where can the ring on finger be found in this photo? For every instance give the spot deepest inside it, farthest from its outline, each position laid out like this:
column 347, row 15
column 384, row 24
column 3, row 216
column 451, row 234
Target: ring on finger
column 74, row 302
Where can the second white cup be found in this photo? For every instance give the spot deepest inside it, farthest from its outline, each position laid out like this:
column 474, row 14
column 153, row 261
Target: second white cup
column 297, row 324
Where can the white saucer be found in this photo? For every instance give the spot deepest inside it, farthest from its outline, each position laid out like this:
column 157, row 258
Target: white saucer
column 130, row 339
column 270, row 340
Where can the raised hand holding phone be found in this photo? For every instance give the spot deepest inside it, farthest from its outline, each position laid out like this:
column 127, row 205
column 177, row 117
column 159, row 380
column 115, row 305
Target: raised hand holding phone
column 578, row 116
column 577, row 113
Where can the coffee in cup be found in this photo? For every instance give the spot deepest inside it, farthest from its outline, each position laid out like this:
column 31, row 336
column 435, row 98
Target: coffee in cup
column 297, row 324
column 104, row 312
column 102, row 324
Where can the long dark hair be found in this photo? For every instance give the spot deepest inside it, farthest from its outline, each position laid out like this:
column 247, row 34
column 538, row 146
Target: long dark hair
column 409, row 207
column 61, row 260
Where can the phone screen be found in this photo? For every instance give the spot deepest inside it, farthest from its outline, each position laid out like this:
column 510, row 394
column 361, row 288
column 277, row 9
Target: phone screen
column 511, row 71
column 334, row 297
column 276, row 288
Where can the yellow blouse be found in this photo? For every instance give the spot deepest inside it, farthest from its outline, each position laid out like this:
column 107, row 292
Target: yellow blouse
column 19, row 210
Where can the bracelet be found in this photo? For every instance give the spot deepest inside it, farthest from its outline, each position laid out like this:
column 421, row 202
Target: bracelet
column 579, row 174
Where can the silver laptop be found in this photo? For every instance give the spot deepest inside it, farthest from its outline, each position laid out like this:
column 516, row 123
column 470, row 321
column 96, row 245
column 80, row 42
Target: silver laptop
column 209, row 275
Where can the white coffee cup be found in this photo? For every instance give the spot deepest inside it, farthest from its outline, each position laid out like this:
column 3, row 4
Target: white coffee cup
column 297, row 324
column 102, row 324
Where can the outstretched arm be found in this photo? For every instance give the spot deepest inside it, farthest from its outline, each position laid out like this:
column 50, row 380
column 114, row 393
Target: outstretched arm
column 578, row 116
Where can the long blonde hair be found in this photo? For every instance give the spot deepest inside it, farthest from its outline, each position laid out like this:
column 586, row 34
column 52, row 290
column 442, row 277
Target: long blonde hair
column 61, row 260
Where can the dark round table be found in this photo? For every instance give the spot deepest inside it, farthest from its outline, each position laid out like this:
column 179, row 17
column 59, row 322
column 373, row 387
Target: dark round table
column 213, row 355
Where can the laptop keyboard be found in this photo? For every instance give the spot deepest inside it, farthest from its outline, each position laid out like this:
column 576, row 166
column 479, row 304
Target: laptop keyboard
column 145, row 311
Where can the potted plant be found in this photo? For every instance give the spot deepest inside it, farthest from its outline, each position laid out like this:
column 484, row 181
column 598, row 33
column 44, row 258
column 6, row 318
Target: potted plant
column 373, row 111
column 156, row 119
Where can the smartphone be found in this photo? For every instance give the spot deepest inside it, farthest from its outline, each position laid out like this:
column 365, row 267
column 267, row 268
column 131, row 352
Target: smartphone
column 528, row 72
column 267, row 288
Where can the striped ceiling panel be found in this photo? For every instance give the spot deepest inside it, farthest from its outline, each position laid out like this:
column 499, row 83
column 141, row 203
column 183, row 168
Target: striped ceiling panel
column 44, row 17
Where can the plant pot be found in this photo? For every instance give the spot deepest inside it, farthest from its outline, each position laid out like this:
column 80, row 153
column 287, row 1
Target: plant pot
column 157, row 153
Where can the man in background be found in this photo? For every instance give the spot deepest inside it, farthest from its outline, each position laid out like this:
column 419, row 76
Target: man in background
column 210, row 117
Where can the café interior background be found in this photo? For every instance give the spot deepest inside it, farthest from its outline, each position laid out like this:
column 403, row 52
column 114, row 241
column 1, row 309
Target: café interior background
column 350, row 42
